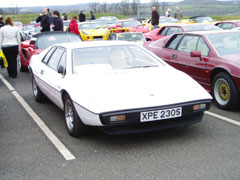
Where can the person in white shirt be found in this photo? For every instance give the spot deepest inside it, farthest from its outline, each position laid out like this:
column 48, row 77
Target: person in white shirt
column 9, row 43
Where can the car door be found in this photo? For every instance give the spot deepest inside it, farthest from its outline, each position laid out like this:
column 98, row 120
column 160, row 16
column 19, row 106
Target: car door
column 193, row 66
column 52, row 79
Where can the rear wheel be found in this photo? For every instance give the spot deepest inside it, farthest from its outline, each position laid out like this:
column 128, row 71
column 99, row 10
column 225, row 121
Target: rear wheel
column 37, row 93
column 225, row 91
column 73, row 123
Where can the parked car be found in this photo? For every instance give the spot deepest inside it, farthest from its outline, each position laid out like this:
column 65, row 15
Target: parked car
column 128, row 36
column 199, row 19
column 162, row 21
column 171, row 29
column 41, row 41
column 226, row 25
column 135, row 25
column 116, row 86
column 92, row 31
column 210, row 57
column 18, row 25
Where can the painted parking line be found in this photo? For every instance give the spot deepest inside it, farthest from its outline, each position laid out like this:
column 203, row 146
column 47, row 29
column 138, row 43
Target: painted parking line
column 223, row 118
column 56, row 142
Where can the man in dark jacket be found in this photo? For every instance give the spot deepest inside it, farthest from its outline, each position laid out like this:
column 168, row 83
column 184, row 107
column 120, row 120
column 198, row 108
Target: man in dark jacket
column 155, row 18
column 92, row 16
column 44, row 20
column 58, row 23
column 82, row 17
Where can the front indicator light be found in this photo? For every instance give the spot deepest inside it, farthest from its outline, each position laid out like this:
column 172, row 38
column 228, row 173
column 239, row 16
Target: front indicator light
column 118, row 118
column 199, row 107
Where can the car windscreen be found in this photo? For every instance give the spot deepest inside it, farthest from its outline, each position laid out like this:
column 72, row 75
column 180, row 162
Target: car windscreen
column 135, row 37
column 112, row 58
column 131, row 23
column 168, row 20
column 28, row 27
column 47, row 40
column 86, row 26
column 226, row 43
column 202, row 19
column 201, row 27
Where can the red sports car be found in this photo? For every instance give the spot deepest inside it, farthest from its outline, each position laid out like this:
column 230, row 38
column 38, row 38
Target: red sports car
column 172, row 29
column 226, row 25
column 210, row 57
column 42, row 41
column 135, row 25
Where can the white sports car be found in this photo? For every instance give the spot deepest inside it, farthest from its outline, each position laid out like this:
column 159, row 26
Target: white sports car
column 118, row 86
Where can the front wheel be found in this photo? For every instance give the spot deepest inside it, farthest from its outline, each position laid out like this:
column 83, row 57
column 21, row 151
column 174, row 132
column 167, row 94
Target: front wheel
column 225, row 91
column 73, row 123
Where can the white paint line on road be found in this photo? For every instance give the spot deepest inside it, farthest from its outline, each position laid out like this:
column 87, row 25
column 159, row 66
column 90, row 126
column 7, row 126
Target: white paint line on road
column 223, row 118
column 57, row 143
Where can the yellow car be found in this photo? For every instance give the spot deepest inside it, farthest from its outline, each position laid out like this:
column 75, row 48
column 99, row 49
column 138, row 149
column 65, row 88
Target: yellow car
column 92, row 31
column 162, row 21
column 117, row 30
column 199, row 19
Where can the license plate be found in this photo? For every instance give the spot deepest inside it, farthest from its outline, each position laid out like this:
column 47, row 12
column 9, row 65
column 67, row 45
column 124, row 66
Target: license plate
column 161, row 114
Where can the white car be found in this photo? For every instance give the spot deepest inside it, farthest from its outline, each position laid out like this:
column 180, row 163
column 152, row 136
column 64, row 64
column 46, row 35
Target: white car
column 118, row 86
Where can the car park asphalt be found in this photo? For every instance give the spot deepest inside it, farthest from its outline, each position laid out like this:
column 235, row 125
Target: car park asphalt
column 208, row 150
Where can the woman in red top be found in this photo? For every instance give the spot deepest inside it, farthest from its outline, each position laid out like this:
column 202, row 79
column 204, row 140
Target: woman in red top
column 73, row 26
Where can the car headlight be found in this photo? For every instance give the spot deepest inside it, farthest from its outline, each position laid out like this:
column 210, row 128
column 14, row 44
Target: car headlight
column 84, row 32
column 198, row 107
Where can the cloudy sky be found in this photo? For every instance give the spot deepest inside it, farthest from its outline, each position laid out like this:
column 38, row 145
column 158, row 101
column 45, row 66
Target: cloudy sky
column 22, row 3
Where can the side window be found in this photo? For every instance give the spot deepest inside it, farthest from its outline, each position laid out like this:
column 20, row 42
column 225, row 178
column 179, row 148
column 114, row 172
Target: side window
column 48, row 55
column 55, row 58
column 202, row 46
column 172, row 30
column 188, row 43
column 220, row 25
column 163, row 31
column 174, row 41
column 227, row 26
column 62, row 63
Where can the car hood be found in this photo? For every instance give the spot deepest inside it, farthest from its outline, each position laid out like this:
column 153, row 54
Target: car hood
column 95, row 32
column 133, row 88
column 233, row 59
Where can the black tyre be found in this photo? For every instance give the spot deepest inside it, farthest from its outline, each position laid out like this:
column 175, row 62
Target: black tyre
column 73, row 123
column 37, row 93
column 225, row 91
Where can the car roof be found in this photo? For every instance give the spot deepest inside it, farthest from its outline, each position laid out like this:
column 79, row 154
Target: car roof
column 209, row 32
column 50, row 32
column 185, row 25
column 76, row 45
column 228, row 21
column 197, row 17
column 123, row 20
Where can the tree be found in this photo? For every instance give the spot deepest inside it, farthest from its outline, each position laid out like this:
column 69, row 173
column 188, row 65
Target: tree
column 93, row 5
column 135, row 7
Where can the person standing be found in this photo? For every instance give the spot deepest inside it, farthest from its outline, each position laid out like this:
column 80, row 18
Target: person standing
column 82, row 17
column 58, row 22
column 9, row 43
column 1, row 21
column 63, row 16
column 50, row 16
column 73, row 26
column 155, row 18
column 168, row 13
column 178, row 14
column 44, row 20
column 92, row 15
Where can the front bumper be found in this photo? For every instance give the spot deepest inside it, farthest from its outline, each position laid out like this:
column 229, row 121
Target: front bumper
column 132, row 123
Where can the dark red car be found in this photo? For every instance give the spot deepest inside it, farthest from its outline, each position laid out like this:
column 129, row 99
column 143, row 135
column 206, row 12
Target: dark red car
column 210, row 57
column 226, row 25
column 42, row 41
column 135, row 25
column 172, row 29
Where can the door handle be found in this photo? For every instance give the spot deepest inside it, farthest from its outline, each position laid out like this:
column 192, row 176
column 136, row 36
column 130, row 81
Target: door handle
column 174, row 56
column 42, row 72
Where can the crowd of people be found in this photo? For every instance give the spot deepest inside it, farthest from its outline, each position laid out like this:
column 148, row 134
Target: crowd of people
column 10, row 37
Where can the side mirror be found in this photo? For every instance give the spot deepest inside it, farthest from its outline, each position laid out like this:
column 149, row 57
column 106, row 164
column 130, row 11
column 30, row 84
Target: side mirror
column 60, row 70
column 195, row 54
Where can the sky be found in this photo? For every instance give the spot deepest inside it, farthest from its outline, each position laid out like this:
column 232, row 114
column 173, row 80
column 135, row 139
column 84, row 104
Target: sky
column 23, row 3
